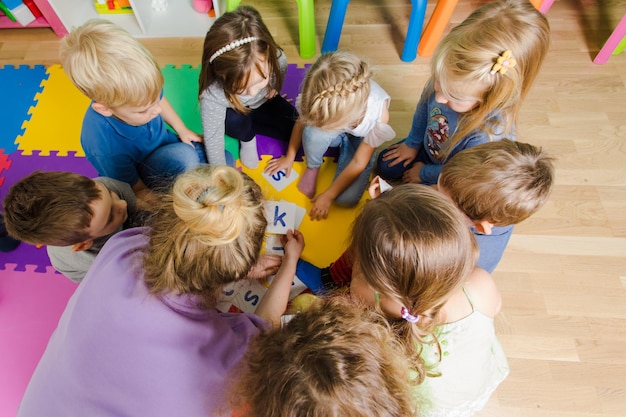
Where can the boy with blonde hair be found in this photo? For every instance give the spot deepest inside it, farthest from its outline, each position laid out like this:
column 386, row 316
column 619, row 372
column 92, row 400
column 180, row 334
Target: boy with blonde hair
column 72, row 214
column 124, row 135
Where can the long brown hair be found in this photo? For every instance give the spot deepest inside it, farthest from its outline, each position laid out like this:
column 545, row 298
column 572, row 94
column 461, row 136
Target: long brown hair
column 412, row 245
column 232, row 68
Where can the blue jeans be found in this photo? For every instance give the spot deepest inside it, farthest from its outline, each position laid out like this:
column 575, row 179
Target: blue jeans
column 396, row 172
column 161, row 167
column 316, row 142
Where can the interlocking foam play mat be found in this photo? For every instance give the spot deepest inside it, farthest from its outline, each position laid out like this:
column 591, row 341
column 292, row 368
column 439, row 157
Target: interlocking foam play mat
column 40, row 117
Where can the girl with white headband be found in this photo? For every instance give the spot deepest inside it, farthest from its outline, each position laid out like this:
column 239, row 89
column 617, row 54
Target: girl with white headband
column 242, row 73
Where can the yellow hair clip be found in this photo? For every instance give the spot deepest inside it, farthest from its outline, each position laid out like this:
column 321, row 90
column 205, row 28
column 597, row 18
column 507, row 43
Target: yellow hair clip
column 503, row 63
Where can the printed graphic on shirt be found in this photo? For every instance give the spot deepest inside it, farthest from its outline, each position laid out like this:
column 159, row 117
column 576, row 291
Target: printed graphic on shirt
column 437, row 131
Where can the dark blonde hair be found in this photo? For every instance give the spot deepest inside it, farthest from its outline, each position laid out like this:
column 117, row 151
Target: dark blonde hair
column 413, row 246
column 335, row 91
column 503, row 182
column 467, row 54
column 51, row 208
column 110, row 66
column 335, row 359
column 232, row 68
column 208, row 233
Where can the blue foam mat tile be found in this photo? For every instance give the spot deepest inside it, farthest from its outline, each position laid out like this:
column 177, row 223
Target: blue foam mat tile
column 18, row 87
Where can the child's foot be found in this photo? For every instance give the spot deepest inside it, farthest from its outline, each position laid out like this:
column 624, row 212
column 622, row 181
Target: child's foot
column 308, row 181
column 248, row 154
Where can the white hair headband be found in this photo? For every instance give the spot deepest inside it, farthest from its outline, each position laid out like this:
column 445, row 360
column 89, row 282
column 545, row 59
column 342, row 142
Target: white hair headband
column 231, row 46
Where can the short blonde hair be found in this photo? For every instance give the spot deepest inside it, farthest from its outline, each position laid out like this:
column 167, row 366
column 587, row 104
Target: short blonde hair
column 335, row 91
column 208, row 233
column 467, row 54
column 108, row 65
column 335, row 359
column 503, row 182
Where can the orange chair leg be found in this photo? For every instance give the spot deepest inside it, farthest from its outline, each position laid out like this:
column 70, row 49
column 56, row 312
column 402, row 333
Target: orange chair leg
column 435, row 27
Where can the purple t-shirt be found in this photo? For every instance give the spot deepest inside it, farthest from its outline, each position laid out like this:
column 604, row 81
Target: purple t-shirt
column 120, row 351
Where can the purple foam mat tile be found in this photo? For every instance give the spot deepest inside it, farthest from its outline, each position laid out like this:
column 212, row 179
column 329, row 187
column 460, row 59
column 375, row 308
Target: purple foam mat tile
column 21, row 166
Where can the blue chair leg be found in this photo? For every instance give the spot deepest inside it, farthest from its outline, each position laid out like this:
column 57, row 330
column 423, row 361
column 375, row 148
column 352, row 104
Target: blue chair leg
column 334, row 25
column 414, row 32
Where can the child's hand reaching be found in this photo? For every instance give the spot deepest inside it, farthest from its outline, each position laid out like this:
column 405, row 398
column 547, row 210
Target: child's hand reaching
column 321, row 205
column 293, row 243
column 278, row 164
column 377, row 187
column 400, row 153
column 189, row 136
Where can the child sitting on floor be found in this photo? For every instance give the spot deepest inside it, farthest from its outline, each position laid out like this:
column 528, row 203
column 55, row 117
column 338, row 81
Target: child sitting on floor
column 124, row 134
column 413, row 260
column 71, row 214
column 340, row 105
column 480, row 74
column 239, row 88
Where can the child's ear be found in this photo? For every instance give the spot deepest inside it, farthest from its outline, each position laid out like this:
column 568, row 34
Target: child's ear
column 102, row 109
column 483, row 226
column 82, row 245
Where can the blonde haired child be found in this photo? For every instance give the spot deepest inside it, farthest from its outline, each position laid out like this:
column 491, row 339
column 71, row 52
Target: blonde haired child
column 341, row 105
column 480, row 74
column 241, row 76
column 124, row 134
column 414, row 259
column 334, row 359
column 142, row 326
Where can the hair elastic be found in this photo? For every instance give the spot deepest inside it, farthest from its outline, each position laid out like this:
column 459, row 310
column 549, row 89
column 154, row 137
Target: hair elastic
column 203, row 194
column 404, row 313
column 231, row 46
column 503, row 63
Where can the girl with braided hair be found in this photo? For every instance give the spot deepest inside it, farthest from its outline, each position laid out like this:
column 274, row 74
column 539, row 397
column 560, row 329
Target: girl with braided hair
column 341, row 106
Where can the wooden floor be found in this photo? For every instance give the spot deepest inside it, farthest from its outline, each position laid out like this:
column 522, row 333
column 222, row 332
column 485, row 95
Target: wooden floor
column 563, row 277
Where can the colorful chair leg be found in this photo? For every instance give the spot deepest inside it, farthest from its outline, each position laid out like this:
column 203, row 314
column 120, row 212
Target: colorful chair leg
column 335, row 25
column 611, row 44
column 435, row 26
column 414, row 32
column 306, row 19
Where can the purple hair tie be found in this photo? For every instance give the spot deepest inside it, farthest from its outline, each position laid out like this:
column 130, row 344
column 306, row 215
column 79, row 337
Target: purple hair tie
column 404, row 312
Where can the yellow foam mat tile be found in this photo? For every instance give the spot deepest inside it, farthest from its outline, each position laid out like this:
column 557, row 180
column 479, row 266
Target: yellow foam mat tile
column 326, row 239
column 56, row 118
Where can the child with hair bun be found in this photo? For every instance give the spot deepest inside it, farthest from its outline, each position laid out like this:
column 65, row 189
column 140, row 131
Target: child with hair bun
column 480, row 74
column 242, row 73
column 334, row 359
column 341, row 105
column 142, row 326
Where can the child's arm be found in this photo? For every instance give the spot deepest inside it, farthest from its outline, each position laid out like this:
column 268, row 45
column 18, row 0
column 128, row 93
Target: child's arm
column 286, row 162
column 171, row 117
column 274, row 302
column 322, row 202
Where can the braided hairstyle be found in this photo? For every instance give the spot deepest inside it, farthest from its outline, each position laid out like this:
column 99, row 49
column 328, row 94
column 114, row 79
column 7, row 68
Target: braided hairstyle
column 335, row 91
